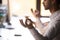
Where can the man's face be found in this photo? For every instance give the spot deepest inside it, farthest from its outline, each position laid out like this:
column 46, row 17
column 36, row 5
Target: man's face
column 47, row 4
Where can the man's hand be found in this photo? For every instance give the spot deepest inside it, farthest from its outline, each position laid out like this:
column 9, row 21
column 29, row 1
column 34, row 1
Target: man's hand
column 28, row 23
column 36, row 13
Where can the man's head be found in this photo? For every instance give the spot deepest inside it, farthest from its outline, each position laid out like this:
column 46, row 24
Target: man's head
column 48, row 4
column 0, row 1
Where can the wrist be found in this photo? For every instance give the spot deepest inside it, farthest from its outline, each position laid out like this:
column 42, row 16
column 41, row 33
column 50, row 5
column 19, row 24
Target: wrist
column 30, row 27
column 37, row 17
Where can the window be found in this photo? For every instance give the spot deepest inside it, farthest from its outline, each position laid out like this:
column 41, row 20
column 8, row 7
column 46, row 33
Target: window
column 43, row 13
column 40, row 7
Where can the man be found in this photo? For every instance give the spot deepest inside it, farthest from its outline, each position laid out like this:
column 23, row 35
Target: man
column 52, row 31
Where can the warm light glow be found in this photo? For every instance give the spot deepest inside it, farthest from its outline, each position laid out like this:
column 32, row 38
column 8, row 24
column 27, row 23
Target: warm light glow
column 16, row 6
column 22, row 7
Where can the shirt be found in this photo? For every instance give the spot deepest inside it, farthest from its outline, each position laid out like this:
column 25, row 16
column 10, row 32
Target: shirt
column 53, row 30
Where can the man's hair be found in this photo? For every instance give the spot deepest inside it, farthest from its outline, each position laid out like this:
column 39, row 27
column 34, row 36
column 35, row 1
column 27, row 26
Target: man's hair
column 0, row 1
column 58, row 2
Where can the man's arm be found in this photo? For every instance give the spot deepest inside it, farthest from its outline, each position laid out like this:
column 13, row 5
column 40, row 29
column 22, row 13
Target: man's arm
column 37, row 35
column 39, row 25
column 38, row 22
column 34, row 32
column 48, row 35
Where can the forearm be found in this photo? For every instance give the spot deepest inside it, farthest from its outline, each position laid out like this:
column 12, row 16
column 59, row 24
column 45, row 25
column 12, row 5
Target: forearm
column 37, row 35
column 40, row 26
column 39, row 23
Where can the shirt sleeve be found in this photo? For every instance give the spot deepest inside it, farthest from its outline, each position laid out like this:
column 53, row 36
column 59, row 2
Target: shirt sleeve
column 49, row 34
column 37, row 35
column 52, row 30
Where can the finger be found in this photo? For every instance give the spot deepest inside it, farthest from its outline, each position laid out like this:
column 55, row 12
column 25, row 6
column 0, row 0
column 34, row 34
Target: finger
column 21, row 21
column 31, row 10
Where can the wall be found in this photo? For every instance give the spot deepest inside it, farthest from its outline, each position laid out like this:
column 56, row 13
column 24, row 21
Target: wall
column 22, row 7
column 43, row 11
column 4, row 2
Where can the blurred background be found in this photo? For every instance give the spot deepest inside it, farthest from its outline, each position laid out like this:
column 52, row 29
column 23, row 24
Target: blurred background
column 18, row 9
